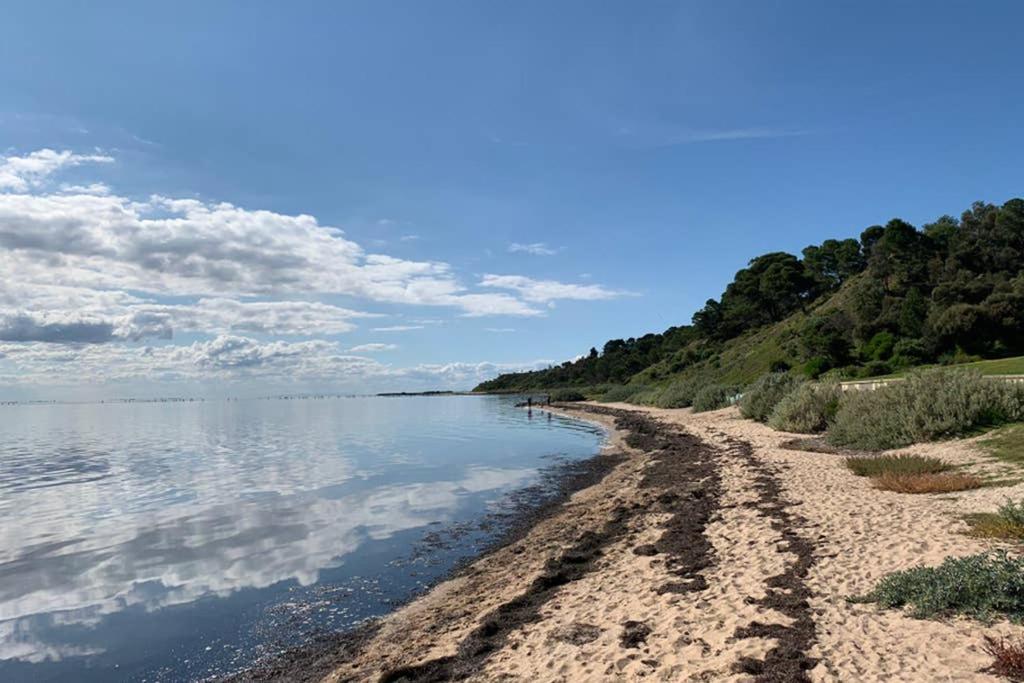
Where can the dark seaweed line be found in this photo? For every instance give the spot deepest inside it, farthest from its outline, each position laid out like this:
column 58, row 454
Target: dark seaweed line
column 788, row 592
column 677, row 458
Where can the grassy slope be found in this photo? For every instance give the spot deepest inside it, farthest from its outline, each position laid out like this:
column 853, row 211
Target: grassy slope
column 744, row 359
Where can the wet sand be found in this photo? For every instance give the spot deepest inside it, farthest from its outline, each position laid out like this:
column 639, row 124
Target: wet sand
column 703, row 550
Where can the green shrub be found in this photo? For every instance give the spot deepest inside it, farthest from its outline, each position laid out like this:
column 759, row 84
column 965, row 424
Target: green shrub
column 815, row 367
column 807, row 409
column 879, row 347
column 679, row 394
column 875, row 465
column 981, row 586
column 647, row 397
column 621, row 392
column 567, row 396
column 714, row 396
column 909, row 352
column 760, row 398
column 926, row 406
column 875, row 368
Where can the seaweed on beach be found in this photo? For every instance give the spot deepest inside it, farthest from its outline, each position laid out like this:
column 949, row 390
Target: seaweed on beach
column 788, row 592
column 678, row 459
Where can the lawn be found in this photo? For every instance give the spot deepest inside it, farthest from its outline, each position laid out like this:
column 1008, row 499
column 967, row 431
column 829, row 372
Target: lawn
column 1002, row 366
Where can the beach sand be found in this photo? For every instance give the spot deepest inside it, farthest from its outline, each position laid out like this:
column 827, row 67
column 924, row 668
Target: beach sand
column 709, row 552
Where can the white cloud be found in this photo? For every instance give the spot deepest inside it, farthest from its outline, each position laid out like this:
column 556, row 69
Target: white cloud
column 89, row 270
column 22, row 173
column 373, row 348
column 500, row 330
column 226, row 359
column 535, row 248
column 544, row 291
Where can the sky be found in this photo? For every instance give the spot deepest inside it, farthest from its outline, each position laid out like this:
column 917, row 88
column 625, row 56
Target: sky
column 243, row 198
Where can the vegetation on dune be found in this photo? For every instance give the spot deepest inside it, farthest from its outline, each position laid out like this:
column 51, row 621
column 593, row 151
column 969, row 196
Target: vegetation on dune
column 618, row 394
column 679, row 394
column 981, row 586
column 1006, row 444
column 875, row 465
column 808, row 409
column 896, row 297
column 1007, row 522
column 714, row 396
column 1007, row 656
column 567, row 396
column 911, row 474
column 760, row 399
column 926, row 406
column 944, row 482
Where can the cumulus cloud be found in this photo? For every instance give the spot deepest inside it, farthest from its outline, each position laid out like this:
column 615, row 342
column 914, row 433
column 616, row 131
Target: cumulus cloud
column 543, row 291
column 90, row 270
column 22, row 173
column 534, row 248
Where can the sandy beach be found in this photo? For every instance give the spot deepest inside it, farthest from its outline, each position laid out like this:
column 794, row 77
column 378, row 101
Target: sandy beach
column 705, row 550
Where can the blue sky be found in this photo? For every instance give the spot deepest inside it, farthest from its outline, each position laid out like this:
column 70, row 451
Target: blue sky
column 637, row 153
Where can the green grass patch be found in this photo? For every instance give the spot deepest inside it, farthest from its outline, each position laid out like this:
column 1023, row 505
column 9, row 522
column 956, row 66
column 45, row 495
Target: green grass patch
column 1006, row 444
column 981, row 586
column 877, row 465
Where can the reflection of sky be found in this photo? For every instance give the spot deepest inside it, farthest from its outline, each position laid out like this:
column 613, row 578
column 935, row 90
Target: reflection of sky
column 111, row 507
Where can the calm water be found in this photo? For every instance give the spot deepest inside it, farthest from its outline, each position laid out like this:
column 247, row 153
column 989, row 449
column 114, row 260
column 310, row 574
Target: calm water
column 175, row 541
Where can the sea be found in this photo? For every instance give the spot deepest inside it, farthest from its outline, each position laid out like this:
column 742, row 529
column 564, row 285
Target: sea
column 185, row 540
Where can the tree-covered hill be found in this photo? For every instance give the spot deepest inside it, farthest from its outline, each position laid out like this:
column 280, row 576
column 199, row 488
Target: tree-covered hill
column 897, row 296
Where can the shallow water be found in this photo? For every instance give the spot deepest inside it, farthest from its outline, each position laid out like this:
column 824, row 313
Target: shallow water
column 178, row 541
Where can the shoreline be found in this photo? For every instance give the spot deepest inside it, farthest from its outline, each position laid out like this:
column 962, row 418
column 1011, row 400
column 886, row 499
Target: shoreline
column 707, row 550
column 322, row 656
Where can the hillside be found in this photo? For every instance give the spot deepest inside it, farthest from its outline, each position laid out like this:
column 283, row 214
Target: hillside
column 898, row 296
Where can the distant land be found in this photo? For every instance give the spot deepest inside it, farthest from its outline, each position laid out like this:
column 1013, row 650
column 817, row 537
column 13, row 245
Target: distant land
column 896, row 297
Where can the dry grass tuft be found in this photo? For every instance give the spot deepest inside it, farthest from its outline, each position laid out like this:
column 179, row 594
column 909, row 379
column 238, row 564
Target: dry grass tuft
column 876, row 465
column 989, row 525
column 1008, row 656
column 942, row 482
column 1007, row 522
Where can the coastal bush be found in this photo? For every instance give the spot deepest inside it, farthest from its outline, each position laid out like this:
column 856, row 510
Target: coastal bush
column 943, row 482
column 679, row 394
column 807, row 409
column 760, row 398
column 981, row 586
column 620, row 393
column 647, row 397
column 567, row 396
column 1007, row 656
column 1007, row 522
column 714, row 396
column 875, row 465
column 926, row 406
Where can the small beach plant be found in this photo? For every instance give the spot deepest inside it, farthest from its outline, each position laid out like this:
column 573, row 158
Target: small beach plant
column 1007, row 522
column 875, row 465
column 982, row 586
